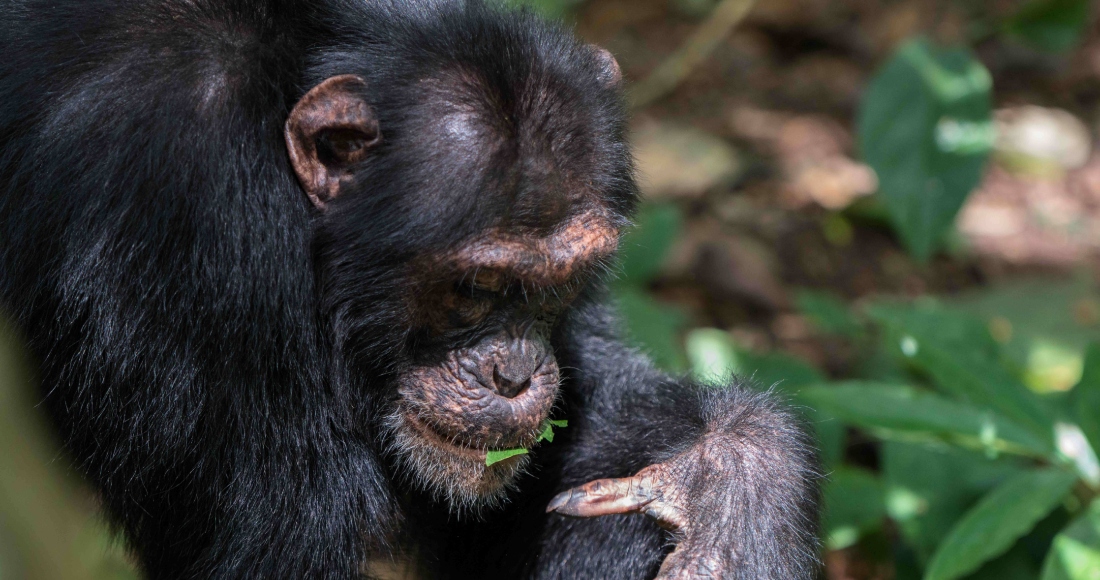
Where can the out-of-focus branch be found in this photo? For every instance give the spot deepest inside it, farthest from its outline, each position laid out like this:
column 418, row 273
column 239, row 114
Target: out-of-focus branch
column 721, row 22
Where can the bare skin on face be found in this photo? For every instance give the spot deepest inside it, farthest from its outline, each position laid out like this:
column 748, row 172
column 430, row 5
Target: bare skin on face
column 584, row 240
column 498, row 392
column 494, row 391
column 503, row 265
column 493, row 395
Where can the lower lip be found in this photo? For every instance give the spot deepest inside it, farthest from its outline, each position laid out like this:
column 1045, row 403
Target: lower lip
column 427, row 432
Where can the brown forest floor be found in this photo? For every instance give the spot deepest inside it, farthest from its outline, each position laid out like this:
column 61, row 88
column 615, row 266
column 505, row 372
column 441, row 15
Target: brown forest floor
column 778, row 101
column 757, row 146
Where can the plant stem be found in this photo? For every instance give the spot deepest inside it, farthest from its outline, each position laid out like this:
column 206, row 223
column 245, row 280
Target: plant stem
column 669, row 74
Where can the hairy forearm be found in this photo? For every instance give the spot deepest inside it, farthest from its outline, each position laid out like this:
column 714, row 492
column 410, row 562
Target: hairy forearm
column 726, row 467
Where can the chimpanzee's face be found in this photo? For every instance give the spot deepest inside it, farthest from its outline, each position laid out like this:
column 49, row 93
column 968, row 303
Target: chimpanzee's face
column 487, row 208
column 492, row 380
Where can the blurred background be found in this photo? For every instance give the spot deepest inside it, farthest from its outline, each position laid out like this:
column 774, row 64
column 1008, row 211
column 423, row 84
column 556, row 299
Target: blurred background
column 886, row 211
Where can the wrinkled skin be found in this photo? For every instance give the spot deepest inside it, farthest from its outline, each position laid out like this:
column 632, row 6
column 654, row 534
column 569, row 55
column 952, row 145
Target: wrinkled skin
column 688, row 495
column 496, row 394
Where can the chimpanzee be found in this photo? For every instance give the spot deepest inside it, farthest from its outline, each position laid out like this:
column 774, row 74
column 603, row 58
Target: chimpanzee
column 291, row 268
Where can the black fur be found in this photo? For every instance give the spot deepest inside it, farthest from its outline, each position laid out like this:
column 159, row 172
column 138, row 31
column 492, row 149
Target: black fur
column 216, row 353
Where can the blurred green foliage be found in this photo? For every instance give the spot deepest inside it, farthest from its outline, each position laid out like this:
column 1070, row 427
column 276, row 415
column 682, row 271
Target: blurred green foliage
column 1073, row 554
column 550, row 8
column 49, row 527
column 657, row 326
column 987, row 412
column 1051, row 25
column 979, row 474
column 972, row 460
column 926, row 127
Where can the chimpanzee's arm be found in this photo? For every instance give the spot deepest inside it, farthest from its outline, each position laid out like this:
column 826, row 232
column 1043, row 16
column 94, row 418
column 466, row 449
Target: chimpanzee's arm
column 725, row 469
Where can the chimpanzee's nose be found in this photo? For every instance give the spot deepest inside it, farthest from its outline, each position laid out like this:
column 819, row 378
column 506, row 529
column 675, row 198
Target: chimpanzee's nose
column 508, row 362
column 511, row 380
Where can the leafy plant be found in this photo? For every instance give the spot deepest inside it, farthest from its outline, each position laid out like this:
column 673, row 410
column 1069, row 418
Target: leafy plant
column 1000, row 518
column 925, row 124
column 655, row 326
column 962, row 406
column 926, row 128
column 1075, row 554
column 550, row 8
column 1051, row 25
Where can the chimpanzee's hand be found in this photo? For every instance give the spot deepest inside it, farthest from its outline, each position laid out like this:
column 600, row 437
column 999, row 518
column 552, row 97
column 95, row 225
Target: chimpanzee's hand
column 693, row 495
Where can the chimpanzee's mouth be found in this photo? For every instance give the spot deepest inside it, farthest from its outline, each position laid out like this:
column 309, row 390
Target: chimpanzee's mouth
column 449, row 416
column 433, row 437
column 451, row 468
column 449, row 409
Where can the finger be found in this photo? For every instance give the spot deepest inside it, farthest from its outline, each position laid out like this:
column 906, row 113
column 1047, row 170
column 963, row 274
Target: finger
column 667, row 515
column 603, row 497
column 682, row 565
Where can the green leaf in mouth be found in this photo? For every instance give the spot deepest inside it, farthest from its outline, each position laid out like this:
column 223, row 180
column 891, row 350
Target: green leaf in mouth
column 547, row 434
column 497, row 456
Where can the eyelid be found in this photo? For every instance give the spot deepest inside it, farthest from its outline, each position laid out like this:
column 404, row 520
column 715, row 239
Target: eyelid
column 488, row 280
column 473, row 313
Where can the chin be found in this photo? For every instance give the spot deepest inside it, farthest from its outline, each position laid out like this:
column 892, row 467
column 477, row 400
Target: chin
column 452, row 473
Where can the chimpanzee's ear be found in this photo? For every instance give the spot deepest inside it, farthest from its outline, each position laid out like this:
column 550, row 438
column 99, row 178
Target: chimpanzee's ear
column 610, row 73
column 330, row 130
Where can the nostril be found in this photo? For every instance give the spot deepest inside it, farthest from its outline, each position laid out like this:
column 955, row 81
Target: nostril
column 509, row 386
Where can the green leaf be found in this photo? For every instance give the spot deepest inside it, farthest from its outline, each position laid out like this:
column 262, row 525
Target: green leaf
column 653, row 326
column 930, row 487
column 829, row 313
column 963, row 360
column 1036, row 309
column 498, row 456
column 547, row 434
column 1000, row 518
column 777, row 370
column 548, row 430
column 853, row 506
column 1075, row 554
column 645, row 245
column 1051, row 25
column 712, row 354
column 1085, row 397
column 909, row 414
column 881, row 364
column 549, row 8
column 926, row 127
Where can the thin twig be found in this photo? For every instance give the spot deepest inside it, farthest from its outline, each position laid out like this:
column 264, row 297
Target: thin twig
column 721, row 22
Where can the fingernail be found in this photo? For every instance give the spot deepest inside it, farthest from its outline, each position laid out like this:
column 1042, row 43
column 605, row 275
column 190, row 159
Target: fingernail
column 559, row 501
